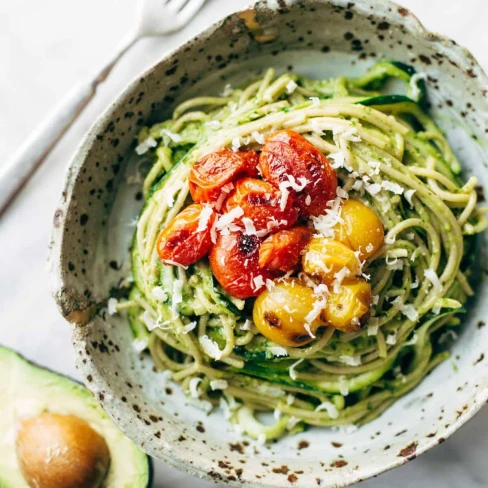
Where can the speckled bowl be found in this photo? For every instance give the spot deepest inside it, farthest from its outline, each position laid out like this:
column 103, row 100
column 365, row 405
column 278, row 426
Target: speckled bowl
column 92, row 236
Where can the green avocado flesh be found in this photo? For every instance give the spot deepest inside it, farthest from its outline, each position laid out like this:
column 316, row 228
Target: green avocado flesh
column 27, row 390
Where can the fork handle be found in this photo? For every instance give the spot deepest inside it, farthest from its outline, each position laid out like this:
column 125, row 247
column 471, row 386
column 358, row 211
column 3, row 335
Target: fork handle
column 25, row 161
column 32, row 153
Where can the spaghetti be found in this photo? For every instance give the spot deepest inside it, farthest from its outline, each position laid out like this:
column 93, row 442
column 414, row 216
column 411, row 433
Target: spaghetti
column 389, row 154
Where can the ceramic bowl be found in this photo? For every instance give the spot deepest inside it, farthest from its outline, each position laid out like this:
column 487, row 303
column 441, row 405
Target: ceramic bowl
column 93, row 230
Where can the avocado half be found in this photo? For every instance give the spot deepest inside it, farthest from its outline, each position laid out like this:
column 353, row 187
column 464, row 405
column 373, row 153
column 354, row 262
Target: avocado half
column 27, row 389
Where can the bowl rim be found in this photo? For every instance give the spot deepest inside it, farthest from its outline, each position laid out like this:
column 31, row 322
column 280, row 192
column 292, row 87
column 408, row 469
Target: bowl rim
column 62, row 295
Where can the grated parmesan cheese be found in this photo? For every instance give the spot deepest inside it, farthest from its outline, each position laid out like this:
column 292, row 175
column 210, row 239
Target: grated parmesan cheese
column 258, row 282
column 224, row 192
column 291, row 86
column 247, row 325
column 341, row 193
column 112, row 306
column 204, row 218
column 270, row 284
column 373, row 326
column 393, row 187
column 315, row 101
column 343, row 387
column 339, row 277
column 159, row 294
column 410, row 312
column 278, row 351
column 408, row 196
column 391, row 339
column 291, row 369
column 284, row 197
column 236, row 144
column 338, row 158
column 172, row 135
column 318, row 306
column 211, row 348
column 330, row 408
column 193, row 387
column 139, row 345
column 373, row 189
column 351, row 360
column 218, row 385
column 189, row 327
column 225, row 220
column 309, row 331
column 177, row 292
column 258, row 137
column 376, row 167
column 431, row 275
column 249, row 228
column 145, row 145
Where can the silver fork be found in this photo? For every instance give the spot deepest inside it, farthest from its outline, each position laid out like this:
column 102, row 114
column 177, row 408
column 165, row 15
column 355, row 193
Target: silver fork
column 155, row 18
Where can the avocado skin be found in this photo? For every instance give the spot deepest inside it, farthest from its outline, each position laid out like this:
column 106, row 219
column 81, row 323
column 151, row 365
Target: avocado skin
column 143, row 461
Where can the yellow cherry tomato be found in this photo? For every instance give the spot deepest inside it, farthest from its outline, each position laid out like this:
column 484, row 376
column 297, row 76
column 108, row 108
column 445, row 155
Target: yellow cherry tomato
column 347, row 309
column 327, row 257
column 362, row 229
column 280, row 314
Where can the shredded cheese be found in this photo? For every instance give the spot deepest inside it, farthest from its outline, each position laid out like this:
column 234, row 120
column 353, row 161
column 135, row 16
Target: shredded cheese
column 145, row 145
column 278, row 351
column 292, row 372
column 291, row 86
column 211, row 348
column 112, row 306
column 159, row 294
column 204, row 218
column 218, row 385
column 330, row 408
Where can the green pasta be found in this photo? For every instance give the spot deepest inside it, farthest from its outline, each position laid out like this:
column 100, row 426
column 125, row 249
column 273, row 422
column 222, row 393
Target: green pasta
column 389, row 154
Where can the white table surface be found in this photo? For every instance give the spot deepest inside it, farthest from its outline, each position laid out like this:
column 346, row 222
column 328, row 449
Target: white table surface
column 46, row 47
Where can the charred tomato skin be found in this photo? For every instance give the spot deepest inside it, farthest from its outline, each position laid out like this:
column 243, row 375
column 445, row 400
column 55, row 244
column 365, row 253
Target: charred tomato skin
column 179, row 242
column 286, row 153
column 213, row 171
column 260, row 202
column 282, row 251
column 234, row 263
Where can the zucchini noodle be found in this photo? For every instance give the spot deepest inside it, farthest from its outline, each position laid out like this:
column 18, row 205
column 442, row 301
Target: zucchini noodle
column 389, row 154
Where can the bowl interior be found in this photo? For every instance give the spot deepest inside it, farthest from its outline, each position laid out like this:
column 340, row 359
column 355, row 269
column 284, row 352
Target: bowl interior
column 95, row 222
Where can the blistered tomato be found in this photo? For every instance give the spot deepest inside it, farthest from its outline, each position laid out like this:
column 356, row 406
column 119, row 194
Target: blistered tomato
column 326, row 258
column 347, row 308
column 283, row 313
column 262, row 203
column 289, row 160
column 186, row 239
column 217, row 169
column 282, row 251
column 234, row 263
column 361, row 228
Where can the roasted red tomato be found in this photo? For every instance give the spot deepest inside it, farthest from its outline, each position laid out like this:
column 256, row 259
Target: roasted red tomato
column 289, row 161
column 216, row 169
column 263, row 204
column 282, row 251
column 186, row 239
column 234, row 262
